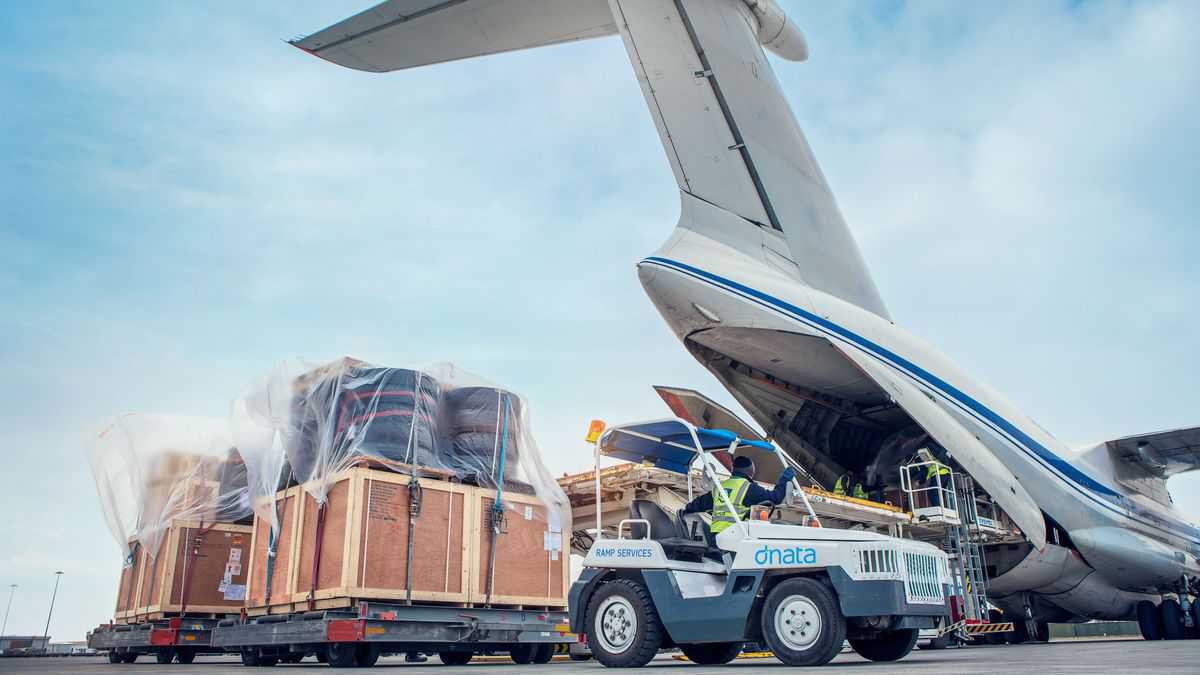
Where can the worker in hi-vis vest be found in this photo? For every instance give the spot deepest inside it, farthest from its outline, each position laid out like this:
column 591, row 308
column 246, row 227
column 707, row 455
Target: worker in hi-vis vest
column 743, row 493
column 842, row 484
column 932, row 472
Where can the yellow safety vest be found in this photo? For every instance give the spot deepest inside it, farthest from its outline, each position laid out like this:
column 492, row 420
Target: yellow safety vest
column 934, row 469
column 839, row 488
column 859, row 493
column 721, row 517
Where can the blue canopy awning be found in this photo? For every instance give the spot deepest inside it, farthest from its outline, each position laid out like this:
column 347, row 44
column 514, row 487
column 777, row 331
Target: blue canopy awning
column 667, row 444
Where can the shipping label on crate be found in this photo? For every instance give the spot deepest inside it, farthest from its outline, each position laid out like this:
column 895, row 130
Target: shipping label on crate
column 235, row 592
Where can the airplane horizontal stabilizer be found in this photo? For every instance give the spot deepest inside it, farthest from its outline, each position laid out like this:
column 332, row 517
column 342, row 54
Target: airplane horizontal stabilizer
column 985, row 468
column 408, row 33
column 1162, row 453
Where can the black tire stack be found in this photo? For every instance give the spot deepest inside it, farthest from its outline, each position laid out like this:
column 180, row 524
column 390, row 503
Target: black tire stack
column 475, row 424
column 365, row 411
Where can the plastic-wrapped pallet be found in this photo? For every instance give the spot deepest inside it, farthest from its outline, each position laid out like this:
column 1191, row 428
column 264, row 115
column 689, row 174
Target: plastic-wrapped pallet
column 172, row 492
column 366, row 442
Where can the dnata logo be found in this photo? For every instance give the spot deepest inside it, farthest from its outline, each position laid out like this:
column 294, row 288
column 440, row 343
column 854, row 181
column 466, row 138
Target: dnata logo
column 796, row 555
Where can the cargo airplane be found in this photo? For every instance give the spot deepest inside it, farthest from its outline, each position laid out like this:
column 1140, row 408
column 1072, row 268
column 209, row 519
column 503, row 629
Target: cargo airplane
column 764, row 284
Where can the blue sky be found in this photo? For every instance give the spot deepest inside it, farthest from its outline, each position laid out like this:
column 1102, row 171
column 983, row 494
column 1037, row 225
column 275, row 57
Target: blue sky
column 185, row 200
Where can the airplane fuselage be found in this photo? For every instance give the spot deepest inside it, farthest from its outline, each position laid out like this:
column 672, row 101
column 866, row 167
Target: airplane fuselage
column 718, row 273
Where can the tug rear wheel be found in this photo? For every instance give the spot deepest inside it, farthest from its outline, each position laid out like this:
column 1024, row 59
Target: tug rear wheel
column 623, row 627
column 891, row 645
column 802, row 623
column 712, row 653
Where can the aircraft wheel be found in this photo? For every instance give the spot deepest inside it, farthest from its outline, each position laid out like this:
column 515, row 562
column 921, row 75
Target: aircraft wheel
column 1195, row 619
column 1149, row 620
column 802, row 623
column 455, row 658
column 1041, row 631
column 891, row 645
column 165, row 655
column 1172, row 619
column 624, row 629
column 713, row 653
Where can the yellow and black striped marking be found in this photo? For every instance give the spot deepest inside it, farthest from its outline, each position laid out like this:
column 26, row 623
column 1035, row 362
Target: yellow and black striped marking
column 986, row 628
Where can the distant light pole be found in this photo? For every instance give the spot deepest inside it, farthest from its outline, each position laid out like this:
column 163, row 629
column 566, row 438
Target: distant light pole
column 46, row 632
column 11, row 589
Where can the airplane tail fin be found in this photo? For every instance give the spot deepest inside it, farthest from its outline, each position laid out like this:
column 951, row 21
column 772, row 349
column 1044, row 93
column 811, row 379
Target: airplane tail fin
column 727, row 129
column 730, row 134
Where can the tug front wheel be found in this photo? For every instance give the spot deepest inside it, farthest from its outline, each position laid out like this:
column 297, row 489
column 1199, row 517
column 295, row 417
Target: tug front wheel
column 623, row 628
column 802, row 623
column 891, row 645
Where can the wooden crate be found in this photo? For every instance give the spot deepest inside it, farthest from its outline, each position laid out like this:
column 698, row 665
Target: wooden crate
column 363, row 548
column 363, row 551
column 529, row 571
column 185, row 578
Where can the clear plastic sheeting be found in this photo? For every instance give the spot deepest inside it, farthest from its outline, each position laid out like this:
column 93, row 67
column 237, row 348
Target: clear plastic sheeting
column 439, row 422
column 152, row 469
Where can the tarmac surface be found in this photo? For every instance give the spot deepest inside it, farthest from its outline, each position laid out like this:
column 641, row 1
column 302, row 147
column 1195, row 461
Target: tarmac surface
column 1067, row 656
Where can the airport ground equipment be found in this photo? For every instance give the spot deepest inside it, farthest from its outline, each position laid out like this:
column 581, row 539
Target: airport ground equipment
column 944, row 503
column 357, row 636
column 178, row 639
column 802, row 590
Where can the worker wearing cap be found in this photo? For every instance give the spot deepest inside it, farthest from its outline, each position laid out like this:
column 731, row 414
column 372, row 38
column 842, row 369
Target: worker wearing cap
column 743, row 493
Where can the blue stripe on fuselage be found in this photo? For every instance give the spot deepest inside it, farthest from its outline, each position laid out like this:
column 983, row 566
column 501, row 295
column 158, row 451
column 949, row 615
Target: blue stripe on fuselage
column 1081, row 482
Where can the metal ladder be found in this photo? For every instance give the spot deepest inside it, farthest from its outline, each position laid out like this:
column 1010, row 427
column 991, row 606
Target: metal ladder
column 968, row 568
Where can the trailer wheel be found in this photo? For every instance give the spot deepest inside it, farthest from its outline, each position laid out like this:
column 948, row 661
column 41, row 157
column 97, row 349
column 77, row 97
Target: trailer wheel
column 291, row 658
column 365, row 656
column 543, row 653
column 1172, row 619
column 129, row 657
column 185, row 655
column 802, row 623
column 623, row 627
column 455, row 658
column 341, row 654
column 165, row 655
column 114, row 657
column 521, row 653
column 713, row 653
column 891, row 645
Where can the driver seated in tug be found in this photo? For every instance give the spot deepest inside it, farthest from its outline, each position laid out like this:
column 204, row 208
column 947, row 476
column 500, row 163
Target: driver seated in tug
column 743, row 493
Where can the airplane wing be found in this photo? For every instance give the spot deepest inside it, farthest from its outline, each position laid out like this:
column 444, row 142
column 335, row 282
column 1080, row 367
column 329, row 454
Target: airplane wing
column 401, row 34
column 1163, row 453
column 967, row 450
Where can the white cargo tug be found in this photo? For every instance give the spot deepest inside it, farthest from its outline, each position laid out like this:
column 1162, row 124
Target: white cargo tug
column 799, row 589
